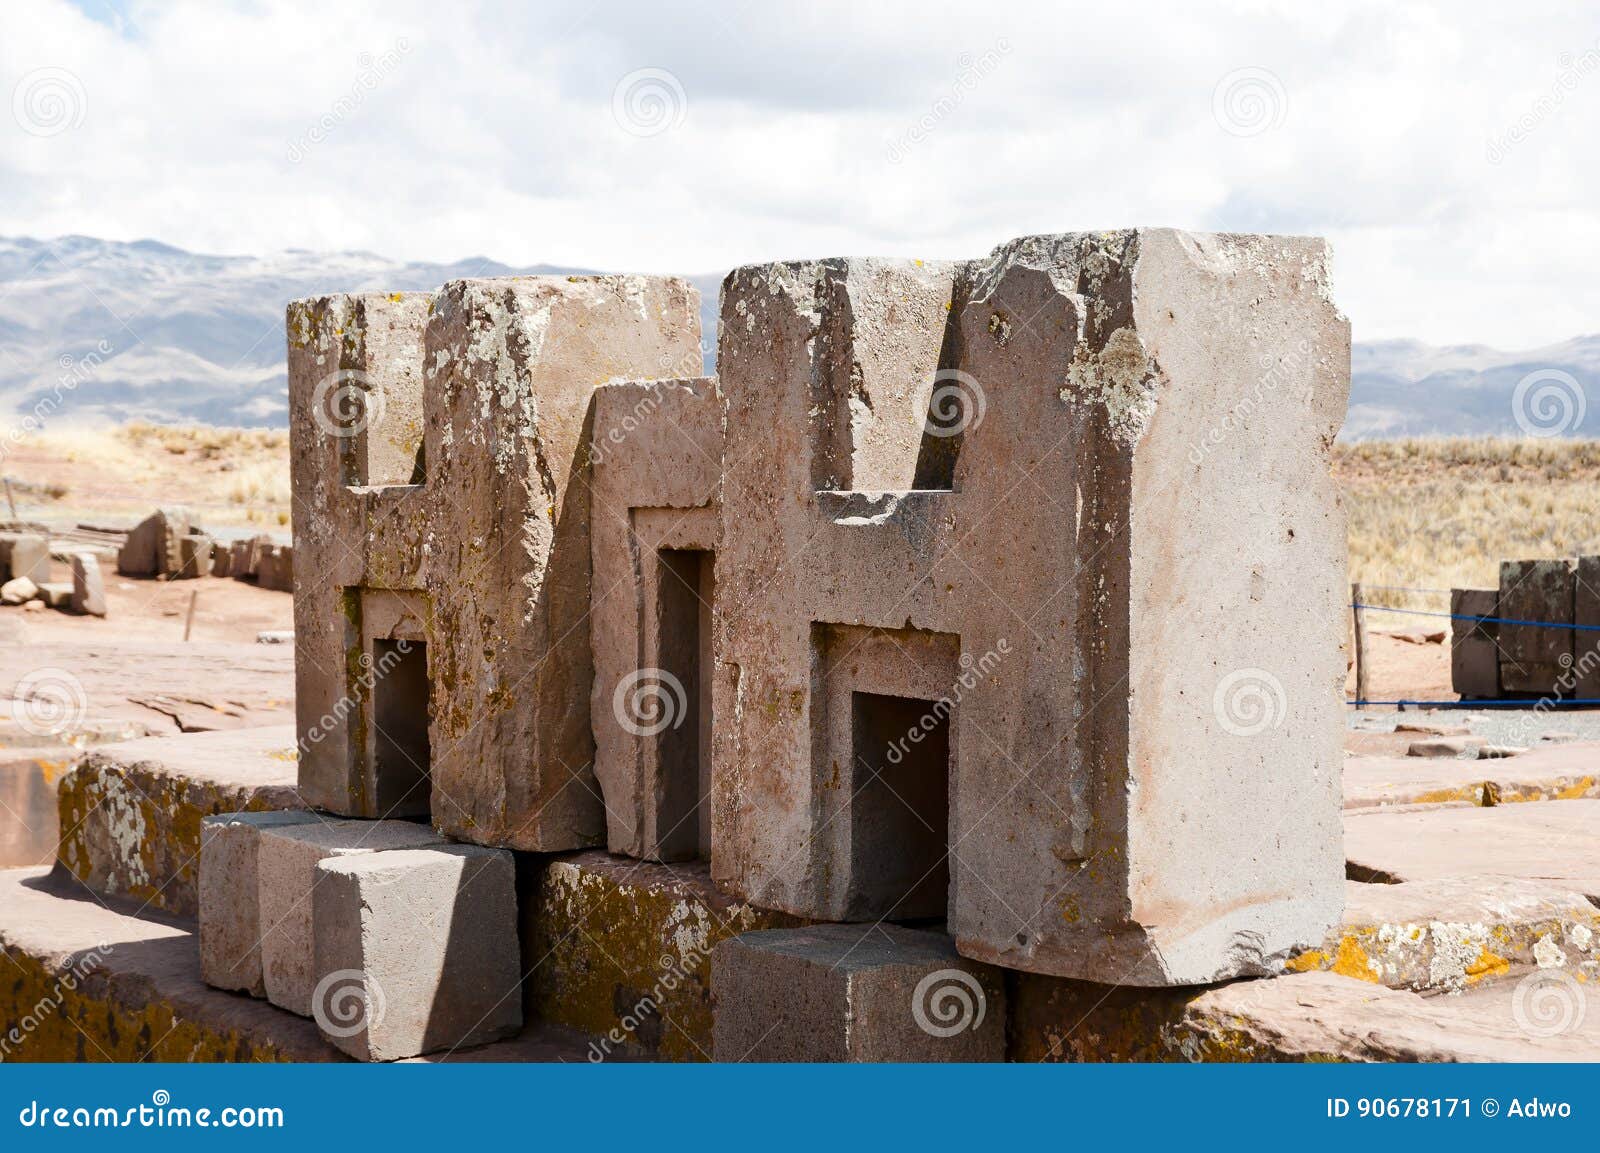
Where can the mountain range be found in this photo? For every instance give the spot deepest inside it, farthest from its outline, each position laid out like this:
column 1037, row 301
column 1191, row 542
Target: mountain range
column 107, row 331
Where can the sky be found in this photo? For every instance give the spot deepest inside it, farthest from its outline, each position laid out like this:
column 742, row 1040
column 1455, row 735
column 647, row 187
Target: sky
column 1447, row 151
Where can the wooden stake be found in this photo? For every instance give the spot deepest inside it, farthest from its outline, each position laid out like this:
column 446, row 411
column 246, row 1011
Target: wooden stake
column 188, row 625
column 1356, row 602
column 11, row 501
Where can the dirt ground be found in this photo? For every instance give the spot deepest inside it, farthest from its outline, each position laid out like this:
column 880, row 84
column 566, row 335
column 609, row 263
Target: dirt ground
column 150, row 610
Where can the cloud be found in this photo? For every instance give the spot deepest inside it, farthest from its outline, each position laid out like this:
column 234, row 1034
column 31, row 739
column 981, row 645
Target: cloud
column 1446, row 153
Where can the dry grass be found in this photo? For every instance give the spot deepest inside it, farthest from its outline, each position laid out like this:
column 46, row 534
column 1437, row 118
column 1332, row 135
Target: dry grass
column 1444, row 512
column 225, row 475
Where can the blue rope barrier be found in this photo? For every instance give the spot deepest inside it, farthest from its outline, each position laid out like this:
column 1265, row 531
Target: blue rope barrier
column 1527, row 703
column 1480, row 620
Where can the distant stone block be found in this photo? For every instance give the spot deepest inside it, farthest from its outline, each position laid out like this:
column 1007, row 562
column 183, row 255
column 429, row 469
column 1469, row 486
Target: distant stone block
column 24, row 554
column 854, row 993
column 230, row 910
column 1474, row 655
column 17, row 591
column 416, row 951
column 287, row 874
column 55, row 594
column 194, row 556
column 154, row 547
column 1537, row 658
column 88, row 588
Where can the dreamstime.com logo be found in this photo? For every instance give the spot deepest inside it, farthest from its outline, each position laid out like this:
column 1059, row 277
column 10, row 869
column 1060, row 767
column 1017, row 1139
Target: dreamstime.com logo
column 648, row 102
column 957, row 404
column 49, row 101
column 649, row 701
column 1548, row 1003
column 159, row 1113
column 1248, row 702
column 1549, row 402
column 947, row 1002
column 1249, row 101
column 48, row 702
column 346, row 404
column 348, row 1001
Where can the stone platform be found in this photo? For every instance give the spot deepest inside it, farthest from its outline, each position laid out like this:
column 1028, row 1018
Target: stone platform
column 130, row 813
column 88, row 980
column 1553, row 773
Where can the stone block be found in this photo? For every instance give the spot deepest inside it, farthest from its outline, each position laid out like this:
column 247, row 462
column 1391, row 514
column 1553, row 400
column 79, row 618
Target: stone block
column 1474, row 653
column 1016, row 672
column 56, row 594
column 477, row 519
column 416, row 951
column 154, row 546
column 1586, row 640
column 131, row 813
column 194, row 556
column 286, row 869
column 1537, row 659
column 88, row 587
column 655, row 458
column 622, row 951
column 855, row 993
column 18, row 590
column 275, row 567
column 229, row 901
column 24, row 554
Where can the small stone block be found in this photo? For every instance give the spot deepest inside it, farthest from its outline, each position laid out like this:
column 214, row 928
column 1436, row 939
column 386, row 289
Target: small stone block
column 286, row 874
column 88, row 589
column 230, row 911
column 416, row 951
column 854, row 993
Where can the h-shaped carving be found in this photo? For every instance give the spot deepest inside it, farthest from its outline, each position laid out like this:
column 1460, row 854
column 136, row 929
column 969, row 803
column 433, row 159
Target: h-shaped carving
column 1007, row 677
column 443, row 561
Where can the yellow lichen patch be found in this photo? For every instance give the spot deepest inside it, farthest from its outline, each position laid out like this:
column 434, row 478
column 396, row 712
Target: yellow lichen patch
column 1307, row 962
column 1487, row 965
column 1352, row 961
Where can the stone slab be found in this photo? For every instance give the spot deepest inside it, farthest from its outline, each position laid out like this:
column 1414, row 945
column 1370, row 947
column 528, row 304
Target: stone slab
column 622, row 951
column 131, row 812
column 1557, row 842
column 1551, row 772
column 142, row 999
column 855, row 993
column 24, row 554
column 229, row 897
column 416, row 951
column 1454, row 933
column 286, row 871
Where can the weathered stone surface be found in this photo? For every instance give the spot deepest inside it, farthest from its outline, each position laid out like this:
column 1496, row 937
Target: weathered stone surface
column 131, row 812
column 24, row 554
column 855, row 993
column 154, row 546
column 56, row 594
column 286, row 869
column 229, row 897
column 622, row 950
column 1106, row 773
column 656, row 462
column 18, row 590
column 416, row 951
column 490, row 550
column 1474, row 651
column 1536, row 659
column 222, row 559
column 1557, row 842
column 88, row 587
column 1586, row 640
column 1453, row 933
